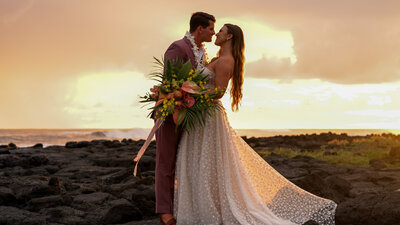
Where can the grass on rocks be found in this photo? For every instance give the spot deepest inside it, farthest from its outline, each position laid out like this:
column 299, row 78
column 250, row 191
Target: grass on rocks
column 357, row 152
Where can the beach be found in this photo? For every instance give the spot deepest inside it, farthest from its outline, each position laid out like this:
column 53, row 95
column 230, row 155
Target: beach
column 91, row 182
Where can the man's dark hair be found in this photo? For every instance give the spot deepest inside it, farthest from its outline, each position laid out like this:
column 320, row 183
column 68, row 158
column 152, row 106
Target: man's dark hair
column 200, row 19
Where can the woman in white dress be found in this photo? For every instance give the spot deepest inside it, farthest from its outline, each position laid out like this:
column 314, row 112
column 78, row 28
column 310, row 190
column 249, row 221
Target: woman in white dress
column 222, row 180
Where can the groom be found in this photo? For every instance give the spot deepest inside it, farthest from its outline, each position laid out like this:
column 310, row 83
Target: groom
column 167, row 139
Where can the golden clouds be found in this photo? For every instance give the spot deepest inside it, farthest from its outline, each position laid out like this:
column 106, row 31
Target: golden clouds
column 301, row 51
column 339, row 41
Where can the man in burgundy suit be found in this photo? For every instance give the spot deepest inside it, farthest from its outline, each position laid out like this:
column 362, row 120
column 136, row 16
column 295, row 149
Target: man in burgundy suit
column 167, row 139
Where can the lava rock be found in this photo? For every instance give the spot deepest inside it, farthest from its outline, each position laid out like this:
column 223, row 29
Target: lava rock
column 11, row 215
column 122, row 211
column 12, row 146
column 395, row 152
column 4, row 151
column 7, row 196
column 36, row 204
column 377, row 164
column 38, row 160
column 81, row 144
column 38, row 145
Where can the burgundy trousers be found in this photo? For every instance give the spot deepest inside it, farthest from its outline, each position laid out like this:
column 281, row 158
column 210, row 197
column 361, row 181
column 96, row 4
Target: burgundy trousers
column 167, row 140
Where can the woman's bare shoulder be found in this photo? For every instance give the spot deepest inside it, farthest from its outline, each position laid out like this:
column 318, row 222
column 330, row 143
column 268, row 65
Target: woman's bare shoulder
column 225, row 62
column 225, row 65
column 226, row 59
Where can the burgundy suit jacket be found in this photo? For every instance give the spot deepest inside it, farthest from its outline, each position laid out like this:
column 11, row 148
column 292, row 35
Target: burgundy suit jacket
column 180, row 50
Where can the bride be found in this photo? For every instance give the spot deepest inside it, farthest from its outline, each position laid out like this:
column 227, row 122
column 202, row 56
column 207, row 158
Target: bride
column 222, row 180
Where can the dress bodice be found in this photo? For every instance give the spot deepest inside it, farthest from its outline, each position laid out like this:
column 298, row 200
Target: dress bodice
column 211, row 78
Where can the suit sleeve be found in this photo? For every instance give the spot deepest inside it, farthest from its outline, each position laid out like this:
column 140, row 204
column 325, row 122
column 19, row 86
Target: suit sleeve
column 175, row 53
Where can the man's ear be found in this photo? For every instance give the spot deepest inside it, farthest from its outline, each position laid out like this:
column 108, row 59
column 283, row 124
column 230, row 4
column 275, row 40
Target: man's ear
column 199, row 28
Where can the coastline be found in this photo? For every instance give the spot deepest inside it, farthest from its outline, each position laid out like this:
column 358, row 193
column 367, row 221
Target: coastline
column 48, row 137
column 91, row 182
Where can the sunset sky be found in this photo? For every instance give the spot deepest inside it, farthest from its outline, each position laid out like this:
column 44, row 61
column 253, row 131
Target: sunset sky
column 309, row 64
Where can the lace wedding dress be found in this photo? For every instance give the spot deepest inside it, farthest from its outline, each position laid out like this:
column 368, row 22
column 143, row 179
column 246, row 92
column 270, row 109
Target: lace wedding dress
column 222, row 180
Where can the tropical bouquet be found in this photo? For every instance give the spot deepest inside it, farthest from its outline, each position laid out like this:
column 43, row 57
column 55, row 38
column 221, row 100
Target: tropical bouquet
column 181, row 92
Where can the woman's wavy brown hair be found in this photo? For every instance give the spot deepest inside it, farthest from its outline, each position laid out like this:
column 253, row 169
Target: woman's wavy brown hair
column 238, row 55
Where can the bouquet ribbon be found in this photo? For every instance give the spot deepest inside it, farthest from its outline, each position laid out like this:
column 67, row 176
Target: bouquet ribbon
column 157, row 125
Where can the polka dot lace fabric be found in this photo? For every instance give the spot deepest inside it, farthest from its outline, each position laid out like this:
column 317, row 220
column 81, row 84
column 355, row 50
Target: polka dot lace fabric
column 220, row 179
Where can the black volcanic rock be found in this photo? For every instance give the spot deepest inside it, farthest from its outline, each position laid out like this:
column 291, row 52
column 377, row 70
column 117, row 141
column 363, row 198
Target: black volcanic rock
column 64, row 215
column 99, row 142
column 12, row 146
column 121, row 211
column 12, row 215
column 377, row 164
column 395, row 152
column 38, row 145
column 95, row 185
column 113, row 144
column 38, row 160
column 73, row 144
column 7, row 196
column 8, row 160
column 36, row 204
column 4, row 151
column 116, row 177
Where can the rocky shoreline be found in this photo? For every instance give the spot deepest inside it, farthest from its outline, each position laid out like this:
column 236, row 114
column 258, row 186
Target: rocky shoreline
column 91, row 182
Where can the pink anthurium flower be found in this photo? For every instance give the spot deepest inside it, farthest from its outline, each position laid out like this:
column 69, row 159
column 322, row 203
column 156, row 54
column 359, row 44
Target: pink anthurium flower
column 159, row 102
column 176, row 114
column 191, row 87
column 189, row 101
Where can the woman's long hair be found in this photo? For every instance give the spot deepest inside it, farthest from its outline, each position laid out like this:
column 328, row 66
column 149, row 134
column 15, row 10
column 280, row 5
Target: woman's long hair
column 238, row 55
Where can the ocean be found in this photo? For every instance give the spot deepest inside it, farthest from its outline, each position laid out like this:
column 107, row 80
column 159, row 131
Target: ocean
column 30, row 137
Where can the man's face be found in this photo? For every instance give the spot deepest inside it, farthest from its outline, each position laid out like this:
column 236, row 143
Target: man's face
column 208, row 32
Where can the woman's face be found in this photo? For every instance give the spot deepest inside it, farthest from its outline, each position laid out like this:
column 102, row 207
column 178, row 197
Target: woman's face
column 222, row 36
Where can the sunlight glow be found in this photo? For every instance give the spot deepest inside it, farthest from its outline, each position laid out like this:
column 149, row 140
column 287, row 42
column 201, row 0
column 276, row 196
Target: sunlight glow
column 316, row 104
column 105, row 89
column 110, row 100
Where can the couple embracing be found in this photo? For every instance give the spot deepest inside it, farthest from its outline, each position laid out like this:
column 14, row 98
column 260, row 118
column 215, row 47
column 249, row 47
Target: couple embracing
column 209, row 175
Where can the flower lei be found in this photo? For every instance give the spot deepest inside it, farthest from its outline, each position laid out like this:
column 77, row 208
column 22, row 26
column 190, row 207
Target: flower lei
column 196, row 51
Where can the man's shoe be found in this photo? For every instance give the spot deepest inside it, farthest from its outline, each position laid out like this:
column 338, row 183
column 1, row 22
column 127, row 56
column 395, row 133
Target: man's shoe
column 170, row 221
